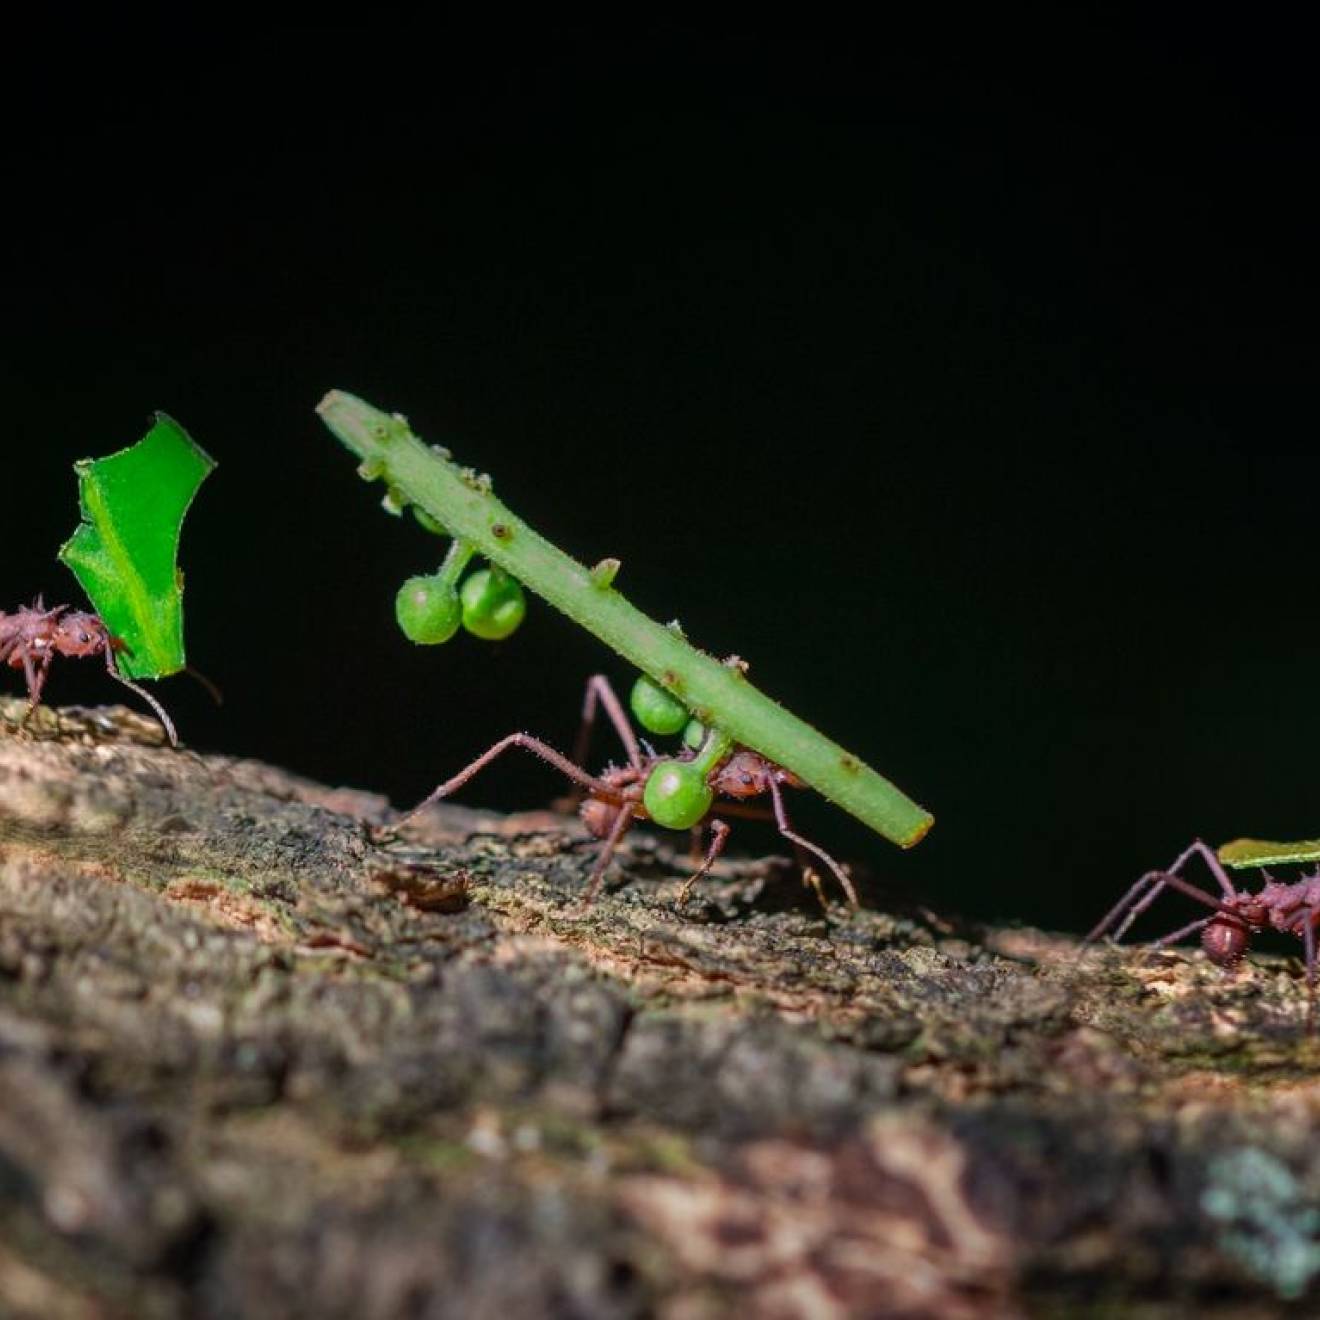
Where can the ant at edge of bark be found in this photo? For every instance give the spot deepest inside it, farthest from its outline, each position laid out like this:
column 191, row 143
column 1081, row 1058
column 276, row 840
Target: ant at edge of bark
column 613, row 801
column 1235, row 917
column 32, row 636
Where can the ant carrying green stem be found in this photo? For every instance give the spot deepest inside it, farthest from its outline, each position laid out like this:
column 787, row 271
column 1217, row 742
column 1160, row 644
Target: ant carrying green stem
column 677, row 792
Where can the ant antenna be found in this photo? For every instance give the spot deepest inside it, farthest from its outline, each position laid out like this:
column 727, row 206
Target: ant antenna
column 212, row 688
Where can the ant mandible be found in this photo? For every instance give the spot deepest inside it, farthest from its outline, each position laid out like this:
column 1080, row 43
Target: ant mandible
column 677, row 792
column 1237, row 915
column 32, row 636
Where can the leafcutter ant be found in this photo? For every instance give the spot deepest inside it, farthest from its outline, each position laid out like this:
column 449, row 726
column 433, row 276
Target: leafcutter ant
column 32, row 636
column 678, row 792
column 1237, row 914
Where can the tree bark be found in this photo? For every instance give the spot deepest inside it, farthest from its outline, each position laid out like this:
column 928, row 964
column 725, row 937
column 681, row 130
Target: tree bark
column 254, row 1063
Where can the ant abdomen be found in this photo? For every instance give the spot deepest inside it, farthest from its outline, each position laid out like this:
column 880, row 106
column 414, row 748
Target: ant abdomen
column 1225, row 942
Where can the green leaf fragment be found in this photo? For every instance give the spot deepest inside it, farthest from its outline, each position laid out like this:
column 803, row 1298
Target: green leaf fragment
column 1261, row 852
column 124, row 553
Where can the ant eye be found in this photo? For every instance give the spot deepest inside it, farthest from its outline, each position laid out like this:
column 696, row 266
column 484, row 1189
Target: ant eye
column 747, row 779
column 84, row 637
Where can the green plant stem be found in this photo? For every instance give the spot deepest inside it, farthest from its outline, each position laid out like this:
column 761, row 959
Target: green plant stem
column 717, row 694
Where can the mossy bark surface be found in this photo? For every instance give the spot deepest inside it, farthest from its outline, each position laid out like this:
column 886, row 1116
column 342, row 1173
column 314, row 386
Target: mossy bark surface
column 254, row 1063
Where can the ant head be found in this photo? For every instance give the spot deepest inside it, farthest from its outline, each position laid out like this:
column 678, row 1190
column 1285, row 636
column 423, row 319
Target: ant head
column 745, row 774
column 598, row 816
column 81, row 634
column 1225, row 941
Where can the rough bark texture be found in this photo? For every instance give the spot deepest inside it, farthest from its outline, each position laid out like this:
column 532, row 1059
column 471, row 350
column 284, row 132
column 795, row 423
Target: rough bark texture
column 252, row 1063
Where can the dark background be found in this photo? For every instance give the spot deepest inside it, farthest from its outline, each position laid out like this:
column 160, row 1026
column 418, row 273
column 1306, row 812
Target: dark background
column 960, row 380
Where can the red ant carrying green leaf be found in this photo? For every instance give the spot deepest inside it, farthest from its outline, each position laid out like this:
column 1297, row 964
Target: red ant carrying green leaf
column 1236, row 914
column 746, row 746
column 124, row 555
column 677, row 792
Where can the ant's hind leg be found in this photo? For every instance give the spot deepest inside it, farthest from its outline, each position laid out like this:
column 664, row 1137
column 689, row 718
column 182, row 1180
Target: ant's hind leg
column 781, row 821
column 525, row 740
column 35, row 674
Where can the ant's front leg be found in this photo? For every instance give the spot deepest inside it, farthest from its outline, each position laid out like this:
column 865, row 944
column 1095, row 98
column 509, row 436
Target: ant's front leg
column 599, row 690
column 719, row 835
column 1134, row 902
column 781, row 821
column 596, row 787
column 112, row 669
column 621, row 825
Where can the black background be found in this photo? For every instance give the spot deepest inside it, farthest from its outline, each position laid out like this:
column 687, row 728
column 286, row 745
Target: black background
column 960, row 380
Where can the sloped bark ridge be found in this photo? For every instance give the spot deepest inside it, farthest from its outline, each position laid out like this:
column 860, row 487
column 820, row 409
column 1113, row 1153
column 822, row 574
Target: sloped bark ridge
column 252, row 1062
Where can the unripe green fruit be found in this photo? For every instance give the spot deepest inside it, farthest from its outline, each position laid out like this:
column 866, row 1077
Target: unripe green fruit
column 694, row 734
column 428, row 610
column 655, row 710
column 677, row 795
column 493, row 604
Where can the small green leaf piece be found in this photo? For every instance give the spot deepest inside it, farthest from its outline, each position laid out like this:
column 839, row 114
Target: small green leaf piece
column 677, row 795
column 428, row 610
column 1260, row 852
column 124, row 553
column 655, row 710
column 493, row 604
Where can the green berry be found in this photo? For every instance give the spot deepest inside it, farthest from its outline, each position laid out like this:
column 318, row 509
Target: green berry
column 677, row 795
column 694, row 734
column 428, row 611
column 655, row 709
column 493, row 604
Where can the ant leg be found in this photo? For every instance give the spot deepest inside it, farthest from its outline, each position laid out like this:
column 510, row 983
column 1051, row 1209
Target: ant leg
column 600, row 690
column 1158, row 880
column 596, row 787
column 781, row 821
column 1182, row 932
column 1119, row 908
column 1195, row 849
column 620, row 827
column 35, row 675
column 212, row 689
column 166, row 723
column 719, row 834
column 1308, row 940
